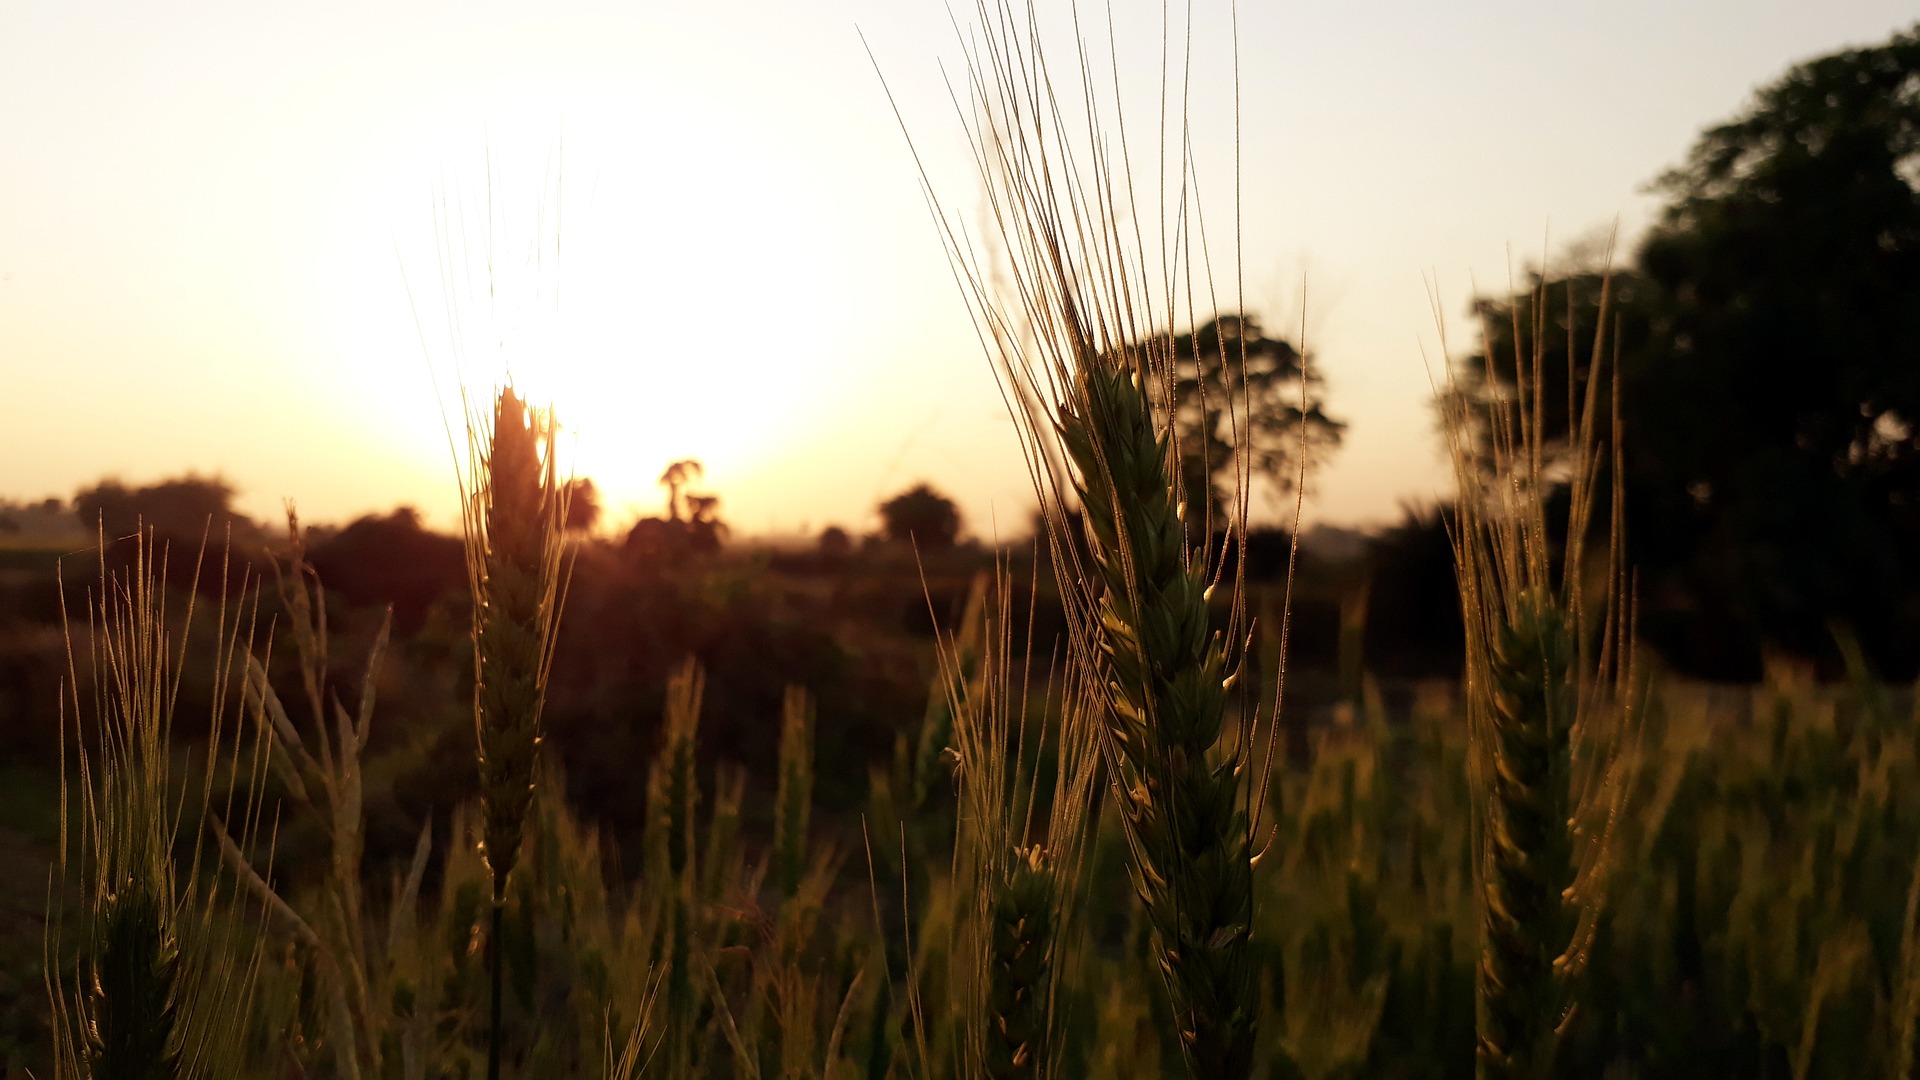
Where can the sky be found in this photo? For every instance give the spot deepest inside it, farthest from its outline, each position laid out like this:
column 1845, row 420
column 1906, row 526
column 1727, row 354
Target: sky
column 270, row 241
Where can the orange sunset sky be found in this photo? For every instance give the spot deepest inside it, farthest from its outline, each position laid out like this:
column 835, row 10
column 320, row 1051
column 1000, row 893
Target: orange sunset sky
column 252, row 239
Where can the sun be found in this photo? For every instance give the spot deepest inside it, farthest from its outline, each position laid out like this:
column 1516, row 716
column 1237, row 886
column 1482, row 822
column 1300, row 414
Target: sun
column 655, row 276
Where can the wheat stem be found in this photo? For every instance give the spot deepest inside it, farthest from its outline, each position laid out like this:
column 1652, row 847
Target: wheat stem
column 793, row 800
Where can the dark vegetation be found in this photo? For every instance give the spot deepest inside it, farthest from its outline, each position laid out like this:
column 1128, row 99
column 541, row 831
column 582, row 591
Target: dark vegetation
column 1768, row 336
column 1768, row 343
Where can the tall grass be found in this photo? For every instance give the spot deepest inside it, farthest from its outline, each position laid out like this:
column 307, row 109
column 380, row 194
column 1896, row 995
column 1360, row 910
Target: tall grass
column 1550, row 683
column 1084, row 347
column 318, row 761
column 165, row 956
column 1021, row 875
column 514, row 515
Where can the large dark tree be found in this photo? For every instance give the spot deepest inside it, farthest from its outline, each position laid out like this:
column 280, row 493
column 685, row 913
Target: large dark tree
column 921, row 516
column 1770, row 358
column 1236, row 389
column 392, row 559
column 182, row 509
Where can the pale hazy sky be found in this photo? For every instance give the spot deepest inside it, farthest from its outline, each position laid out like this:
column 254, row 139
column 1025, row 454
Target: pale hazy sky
column 225, row 228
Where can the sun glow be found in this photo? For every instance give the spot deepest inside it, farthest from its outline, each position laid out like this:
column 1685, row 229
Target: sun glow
column 655, row 274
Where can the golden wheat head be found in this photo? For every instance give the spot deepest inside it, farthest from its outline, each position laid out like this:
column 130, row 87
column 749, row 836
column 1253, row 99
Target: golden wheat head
column 514, row 566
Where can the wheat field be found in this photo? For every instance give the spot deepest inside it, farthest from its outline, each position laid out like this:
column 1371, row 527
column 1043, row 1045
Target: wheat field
column 1108, row 839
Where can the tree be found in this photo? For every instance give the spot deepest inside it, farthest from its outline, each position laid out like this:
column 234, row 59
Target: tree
column 921, row 516
column 692, row 524
column 392, row 559
column 835, row 543
column 1238, row 392
column 182, row 509
column 1769, row 348
column 676, row 479
column 583, row 505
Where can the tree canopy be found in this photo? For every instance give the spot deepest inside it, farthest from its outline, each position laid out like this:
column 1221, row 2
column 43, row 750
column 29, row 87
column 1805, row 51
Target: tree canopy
column 921, row 516
column 1235, row 390
column 1768, row 336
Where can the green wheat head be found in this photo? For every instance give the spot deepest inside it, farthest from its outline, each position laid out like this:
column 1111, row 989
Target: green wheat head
column 1166, row 714
column 1021, row 961
column 1019, row 877
column 1552, row 696
column 162, row 972
column 1081, row 337
column 1527, row 858
column 793, row 800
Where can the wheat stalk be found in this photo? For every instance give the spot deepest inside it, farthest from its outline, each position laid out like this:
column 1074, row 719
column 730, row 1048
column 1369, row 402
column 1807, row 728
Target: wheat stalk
column 1552, row 694
column 513, row 514
column 1085, row 357
column 1166, row 712
column 1022, row 883
column 1527, row 845
column 161, row 975
column 514, row 566
column 793, row 799
column 674, row 793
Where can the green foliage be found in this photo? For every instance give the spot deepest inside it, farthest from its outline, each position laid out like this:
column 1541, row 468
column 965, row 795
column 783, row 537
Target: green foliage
column 1778, row 287
column 140, row 978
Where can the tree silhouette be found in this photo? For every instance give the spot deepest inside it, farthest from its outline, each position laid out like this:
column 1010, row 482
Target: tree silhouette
column 835, row 543
column 184, row 508
column 392, row 559
column 1237, row 392
column 583, row 505
column 1769, row 347
column 922, row 516
column 678, row 476
column 692, row 524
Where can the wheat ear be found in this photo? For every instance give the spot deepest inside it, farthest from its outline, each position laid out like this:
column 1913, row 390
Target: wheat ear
column 1023, row 882
column 1085, row 358
column 1552, row 693
column 1166, row 712
column 161, row 974
column 675, row 795
column 793, row 801
column 513, row 517
column 514, row 561
column 1527, row 847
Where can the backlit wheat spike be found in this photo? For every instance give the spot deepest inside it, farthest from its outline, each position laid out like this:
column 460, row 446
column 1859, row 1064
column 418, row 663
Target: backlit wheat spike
column 678, row 803
column 161, row 973
column 1081, row 341
column 793, row 800
column 1550, row 679
column 1022, row 884
column 515, row 597
column 1528, row 857
column 1021, row 957
column 513, row 517
column 1166, row 711
column 133, row 989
